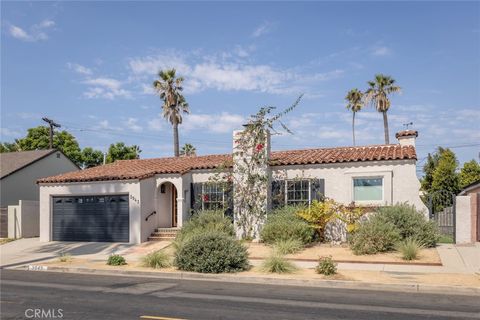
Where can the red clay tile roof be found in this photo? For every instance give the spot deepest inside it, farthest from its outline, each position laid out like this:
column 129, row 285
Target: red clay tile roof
column 145, row 168
column 406, row 133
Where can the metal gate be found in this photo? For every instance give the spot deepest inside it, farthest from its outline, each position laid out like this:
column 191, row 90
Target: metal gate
column 441, row 208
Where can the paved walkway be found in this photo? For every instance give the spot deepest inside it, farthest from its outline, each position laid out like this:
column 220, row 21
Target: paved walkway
column 455, row 259
column 31, row 250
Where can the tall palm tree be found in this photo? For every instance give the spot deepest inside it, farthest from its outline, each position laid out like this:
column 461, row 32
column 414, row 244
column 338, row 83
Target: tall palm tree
column 378, row 95
column 169, row 87
column 188, row 150
column 355, row 103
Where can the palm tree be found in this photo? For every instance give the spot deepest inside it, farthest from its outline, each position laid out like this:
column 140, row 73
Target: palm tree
column 174, row 104
column 355, row 103
column 377, row 94
column 188, row 150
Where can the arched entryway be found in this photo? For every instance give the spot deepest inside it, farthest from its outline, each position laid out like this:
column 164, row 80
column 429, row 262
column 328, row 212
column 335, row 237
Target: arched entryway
column 167, row 207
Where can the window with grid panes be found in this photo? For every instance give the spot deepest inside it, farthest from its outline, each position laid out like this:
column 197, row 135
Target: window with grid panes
column 213, row 196
column 297, row 192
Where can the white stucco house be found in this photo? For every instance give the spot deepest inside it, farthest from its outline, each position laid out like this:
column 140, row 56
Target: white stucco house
column 127, row 200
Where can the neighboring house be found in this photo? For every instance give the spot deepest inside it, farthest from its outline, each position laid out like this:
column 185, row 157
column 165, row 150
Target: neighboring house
column 19, row 172
column 468, row 214
column 125, row 201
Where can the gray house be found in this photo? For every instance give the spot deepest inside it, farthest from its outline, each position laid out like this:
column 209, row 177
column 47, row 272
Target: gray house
column 19, row 172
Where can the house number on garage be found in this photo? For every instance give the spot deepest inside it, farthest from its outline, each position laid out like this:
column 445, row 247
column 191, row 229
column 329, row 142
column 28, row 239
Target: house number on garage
column 132, row 197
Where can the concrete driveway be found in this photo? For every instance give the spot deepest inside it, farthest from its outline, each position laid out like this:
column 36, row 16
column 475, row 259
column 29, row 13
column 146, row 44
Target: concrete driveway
column 31, row 250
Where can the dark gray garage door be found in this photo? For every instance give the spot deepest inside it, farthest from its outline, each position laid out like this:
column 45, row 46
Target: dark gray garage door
column 101, row 218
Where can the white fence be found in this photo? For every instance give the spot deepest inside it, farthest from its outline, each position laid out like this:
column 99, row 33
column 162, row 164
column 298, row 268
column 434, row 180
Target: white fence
column 24, row 220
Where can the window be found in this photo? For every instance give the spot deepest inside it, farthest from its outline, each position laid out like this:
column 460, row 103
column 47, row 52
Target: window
column 213, row 196
column 368, row 189
column 297, row 192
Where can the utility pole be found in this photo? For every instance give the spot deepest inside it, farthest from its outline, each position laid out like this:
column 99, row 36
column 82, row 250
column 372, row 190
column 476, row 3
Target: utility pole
column 52, row 125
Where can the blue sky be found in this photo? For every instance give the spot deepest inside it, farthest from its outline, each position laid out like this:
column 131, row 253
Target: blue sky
column 90, row 67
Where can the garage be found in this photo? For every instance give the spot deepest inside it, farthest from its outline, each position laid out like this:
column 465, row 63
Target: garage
column 100, row 218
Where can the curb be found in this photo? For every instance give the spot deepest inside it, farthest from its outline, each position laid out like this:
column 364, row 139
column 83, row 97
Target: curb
column 233, row 278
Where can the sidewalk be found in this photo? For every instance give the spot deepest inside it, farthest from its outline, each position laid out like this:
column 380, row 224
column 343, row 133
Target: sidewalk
column 460, row 271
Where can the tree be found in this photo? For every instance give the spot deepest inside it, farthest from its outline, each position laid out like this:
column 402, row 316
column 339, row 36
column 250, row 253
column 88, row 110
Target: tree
column 169, row 87
column 38, row 138
column 378, row 95
column 91, row 158
column 8, row 147
column 188, row 150
column 445, row 177
column 120, row 151
column 429, row 168
column 469, row 173
column 355, row 103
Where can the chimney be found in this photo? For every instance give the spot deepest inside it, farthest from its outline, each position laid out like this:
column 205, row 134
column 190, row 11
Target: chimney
column 407, row 137
column 249, row 161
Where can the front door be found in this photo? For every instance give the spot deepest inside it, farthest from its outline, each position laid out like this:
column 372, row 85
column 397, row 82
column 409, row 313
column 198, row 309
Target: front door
column 174, row 206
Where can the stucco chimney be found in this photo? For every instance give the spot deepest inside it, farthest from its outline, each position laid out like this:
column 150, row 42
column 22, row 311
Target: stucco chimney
column 244, row 166
column 407, row 137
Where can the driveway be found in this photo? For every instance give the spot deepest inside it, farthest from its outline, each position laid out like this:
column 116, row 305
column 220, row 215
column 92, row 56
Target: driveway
column 31, row 250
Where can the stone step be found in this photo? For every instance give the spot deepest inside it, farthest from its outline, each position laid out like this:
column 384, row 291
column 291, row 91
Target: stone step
column 162, row 234
column 168, row 229
column 158, row 238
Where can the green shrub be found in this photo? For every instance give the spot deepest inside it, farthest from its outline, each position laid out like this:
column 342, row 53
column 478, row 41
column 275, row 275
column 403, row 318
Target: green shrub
column 374, row 235
column 288, row 246
column 326, row 266
column 276, row 263
column 65, row 257
column 204, row 222
column 410, row 223
column 409, row 248
column 284, row 224
column 212, row 252
column 116, row 260
column 157, row 260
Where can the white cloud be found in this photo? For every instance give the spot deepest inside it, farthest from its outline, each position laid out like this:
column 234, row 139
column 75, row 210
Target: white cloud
column 262, row 29
column 46, row 24
column 79, row 68
column 156, row 124
column 132, row 124
column 6, row 132
column 381, row 51
column 214, row 123
column 106, row 88
column 221, row 73
column 35, row 33
column 19, row 33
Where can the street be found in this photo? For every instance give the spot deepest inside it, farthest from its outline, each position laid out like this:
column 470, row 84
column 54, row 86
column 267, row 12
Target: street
column 81, row 296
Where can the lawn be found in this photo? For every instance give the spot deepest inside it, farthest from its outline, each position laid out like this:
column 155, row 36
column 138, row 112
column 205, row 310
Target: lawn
column 445, row 239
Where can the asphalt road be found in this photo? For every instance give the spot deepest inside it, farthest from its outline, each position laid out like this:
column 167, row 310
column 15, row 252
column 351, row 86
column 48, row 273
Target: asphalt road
column 80, row 296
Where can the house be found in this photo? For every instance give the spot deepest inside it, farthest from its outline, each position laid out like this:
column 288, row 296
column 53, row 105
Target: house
column 127, row 200
column 467, row 214
column 19, row 172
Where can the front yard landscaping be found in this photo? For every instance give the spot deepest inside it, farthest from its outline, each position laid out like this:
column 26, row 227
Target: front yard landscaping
column 342, row 253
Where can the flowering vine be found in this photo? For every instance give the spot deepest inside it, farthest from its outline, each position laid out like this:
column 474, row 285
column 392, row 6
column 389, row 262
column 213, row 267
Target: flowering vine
column 250, row 176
